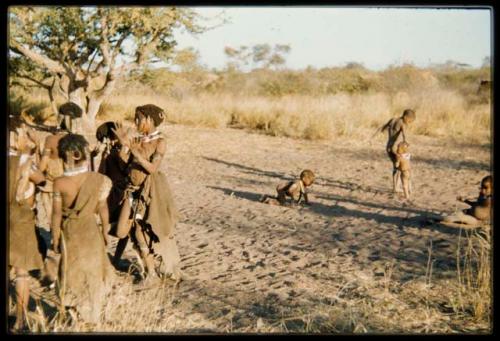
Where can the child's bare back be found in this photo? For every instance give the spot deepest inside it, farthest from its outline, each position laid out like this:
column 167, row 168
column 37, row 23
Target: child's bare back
column 295, row 189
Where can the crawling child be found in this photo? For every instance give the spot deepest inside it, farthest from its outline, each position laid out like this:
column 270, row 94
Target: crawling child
column 295, row 190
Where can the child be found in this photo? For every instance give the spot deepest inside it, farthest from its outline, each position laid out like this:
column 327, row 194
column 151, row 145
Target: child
column 402, row 165
column 148, row 211
column 85, row 270
column 51, row 165
column 115, row 167
column 296, row 190
column 480, row 209
column 24, row 254
column 396, row 128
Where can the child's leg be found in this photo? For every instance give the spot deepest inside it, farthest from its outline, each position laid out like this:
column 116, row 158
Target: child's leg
column 396, row 174
column 146, row 255
column 120, row 248
column 405, row 180
column 124, row 221
column 461, row 218
column 22, row 297
column 281, row 197
column 271, row 201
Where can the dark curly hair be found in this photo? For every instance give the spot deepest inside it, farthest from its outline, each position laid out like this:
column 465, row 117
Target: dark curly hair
column 104, row 131
column 71, row 109
column 72, row 143
column 151, row 110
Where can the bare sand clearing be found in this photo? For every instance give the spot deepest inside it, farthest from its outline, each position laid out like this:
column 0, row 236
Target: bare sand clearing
column 345, row 263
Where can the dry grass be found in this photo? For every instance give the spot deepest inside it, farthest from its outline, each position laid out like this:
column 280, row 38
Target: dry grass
column 359, row 303
column 324, row 104
column 440, row 113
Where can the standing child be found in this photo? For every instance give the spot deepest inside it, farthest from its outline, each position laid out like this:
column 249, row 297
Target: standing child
column 114, row 165
column 85, row 270
column 148, row 214
column 396, row 129
column 403, row 167
column 24, row 254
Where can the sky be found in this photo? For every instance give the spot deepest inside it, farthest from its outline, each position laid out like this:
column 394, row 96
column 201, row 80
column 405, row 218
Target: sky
column 329, row 36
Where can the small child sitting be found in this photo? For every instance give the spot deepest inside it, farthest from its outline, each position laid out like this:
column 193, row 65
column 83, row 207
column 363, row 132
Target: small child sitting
column 480, row 209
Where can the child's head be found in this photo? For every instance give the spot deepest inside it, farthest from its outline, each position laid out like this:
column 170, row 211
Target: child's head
column 409, row 116
column 72, row 149
column 307, row 176
column 69, row 112
column 104, row 131
column 403, row 147
column 486, row 186
column 147, row 117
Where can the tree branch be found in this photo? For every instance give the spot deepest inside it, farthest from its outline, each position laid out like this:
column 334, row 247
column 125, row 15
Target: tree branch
column 37, row 58
column 34, row 80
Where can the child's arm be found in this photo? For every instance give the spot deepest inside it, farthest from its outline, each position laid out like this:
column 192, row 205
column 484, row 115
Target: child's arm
column 382, row 129
column 56, row 217
column 469, row 202
column 104, row 215
column 306, row 199
column 398, row 161
column 45, row 156
column 36, row 176
column 102, row 208
column 150, row 167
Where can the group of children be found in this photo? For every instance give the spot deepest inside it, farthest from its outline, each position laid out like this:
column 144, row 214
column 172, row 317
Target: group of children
column 397, row 149
column 68, row 196
column 64, row 205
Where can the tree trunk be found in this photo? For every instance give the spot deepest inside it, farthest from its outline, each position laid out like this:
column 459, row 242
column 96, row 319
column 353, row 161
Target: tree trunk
column 53, row 104
column 93, row 107
column 76, row 97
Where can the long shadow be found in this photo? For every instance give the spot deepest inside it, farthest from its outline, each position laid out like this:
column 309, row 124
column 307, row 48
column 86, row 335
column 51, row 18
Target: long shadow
column 370, row 155
column 249, row 170
column 351, row 186
column 371, row 204
column 454, row 164
column 239, row 194
column 419, row 221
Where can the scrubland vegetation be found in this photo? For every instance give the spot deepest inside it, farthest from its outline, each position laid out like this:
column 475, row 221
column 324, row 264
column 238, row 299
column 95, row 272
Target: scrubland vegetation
column 328, row 103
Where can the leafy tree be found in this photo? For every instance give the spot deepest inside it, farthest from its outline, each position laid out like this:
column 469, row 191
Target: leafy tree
column 187, row 59
column 238, row 57
column 81, row 52
column 267, row 57
column 262, row 55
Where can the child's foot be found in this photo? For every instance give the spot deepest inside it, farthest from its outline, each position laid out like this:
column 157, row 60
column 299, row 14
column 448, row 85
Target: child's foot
column 19, row 326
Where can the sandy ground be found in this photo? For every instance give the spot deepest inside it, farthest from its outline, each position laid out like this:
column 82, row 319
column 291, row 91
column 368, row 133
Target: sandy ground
column 251, row 267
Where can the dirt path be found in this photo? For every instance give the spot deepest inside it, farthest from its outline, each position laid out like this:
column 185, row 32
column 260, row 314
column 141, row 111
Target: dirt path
column 254, row 267
column 244, row 260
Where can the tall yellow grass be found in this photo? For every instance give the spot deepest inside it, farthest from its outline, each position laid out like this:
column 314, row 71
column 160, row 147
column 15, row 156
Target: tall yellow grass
column 440, row 113
column 312, row 104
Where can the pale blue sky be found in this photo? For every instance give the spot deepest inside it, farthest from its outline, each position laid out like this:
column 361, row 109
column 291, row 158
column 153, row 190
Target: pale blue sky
column 328, row 36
